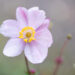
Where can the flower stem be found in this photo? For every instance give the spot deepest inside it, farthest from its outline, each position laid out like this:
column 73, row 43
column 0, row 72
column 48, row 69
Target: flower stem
column 56, row 69
column 27, row 66
column 62, row 49
column 59, row 59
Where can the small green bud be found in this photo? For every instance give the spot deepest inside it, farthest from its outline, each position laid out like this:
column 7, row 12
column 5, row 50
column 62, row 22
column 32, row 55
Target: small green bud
column 69, row 36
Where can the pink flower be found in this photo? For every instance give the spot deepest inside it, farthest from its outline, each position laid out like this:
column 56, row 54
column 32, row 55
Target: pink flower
column 29, row 33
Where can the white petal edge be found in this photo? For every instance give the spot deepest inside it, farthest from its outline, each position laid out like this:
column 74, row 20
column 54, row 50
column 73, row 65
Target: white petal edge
column 9, row 28
column 22, row 16
column 36, row 53
column 36, row 17
column 44, row 37
column 45, row 24
column 33, row 8
column 14, row 47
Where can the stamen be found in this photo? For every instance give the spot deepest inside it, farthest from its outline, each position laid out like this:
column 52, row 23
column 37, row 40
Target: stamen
column 27, row 34
column 25, row 40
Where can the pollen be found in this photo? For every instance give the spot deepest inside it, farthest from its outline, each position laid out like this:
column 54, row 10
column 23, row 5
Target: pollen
column 27, row 34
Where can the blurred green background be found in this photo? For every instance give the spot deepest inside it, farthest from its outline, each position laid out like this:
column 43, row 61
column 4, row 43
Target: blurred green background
column 62, row 14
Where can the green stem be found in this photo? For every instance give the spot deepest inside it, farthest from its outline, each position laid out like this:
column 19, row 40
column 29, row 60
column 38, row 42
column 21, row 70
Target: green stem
column 27, row 66
column 60, row 56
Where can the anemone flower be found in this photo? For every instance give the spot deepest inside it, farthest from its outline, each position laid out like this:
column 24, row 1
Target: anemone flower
column 28, row 33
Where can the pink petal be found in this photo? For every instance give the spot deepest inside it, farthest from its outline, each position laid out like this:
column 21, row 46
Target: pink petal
column 36, row 17
column 44, row 36
column 22, row 16
column 10, row 28
column 35, row 52
column 33, row 8
column 14, row 47
column 45, row 24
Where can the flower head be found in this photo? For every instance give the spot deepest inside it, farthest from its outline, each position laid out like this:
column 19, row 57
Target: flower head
column 29, row 32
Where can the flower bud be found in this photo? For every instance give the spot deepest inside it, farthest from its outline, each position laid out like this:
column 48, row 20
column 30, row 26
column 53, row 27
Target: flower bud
column 59, row 60
column 69, row 36
column 32, row 71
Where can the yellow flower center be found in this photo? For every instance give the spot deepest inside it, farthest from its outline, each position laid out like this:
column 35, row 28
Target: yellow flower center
column 27, row 34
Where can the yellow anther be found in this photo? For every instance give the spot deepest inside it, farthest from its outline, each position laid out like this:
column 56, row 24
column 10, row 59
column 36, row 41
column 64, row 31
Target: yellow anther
column 25, row 40
column 21, row 37
column 20, row 33
column 31, row 39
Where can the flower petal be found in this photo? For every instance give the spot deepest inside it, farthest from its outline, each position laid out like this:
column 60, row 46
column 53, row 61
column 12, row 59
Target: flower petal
column 44, row 25
column 36, row 17
column 14, row 47
column 35, row 52
column 22, row 16
column 44, row 36
column 10, row 28
column 34, row 8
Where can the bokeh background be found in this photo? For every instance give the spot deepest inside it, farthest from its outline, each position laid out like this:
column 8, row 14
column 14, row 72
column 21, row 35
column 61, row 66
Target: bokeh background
column 62, row 14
